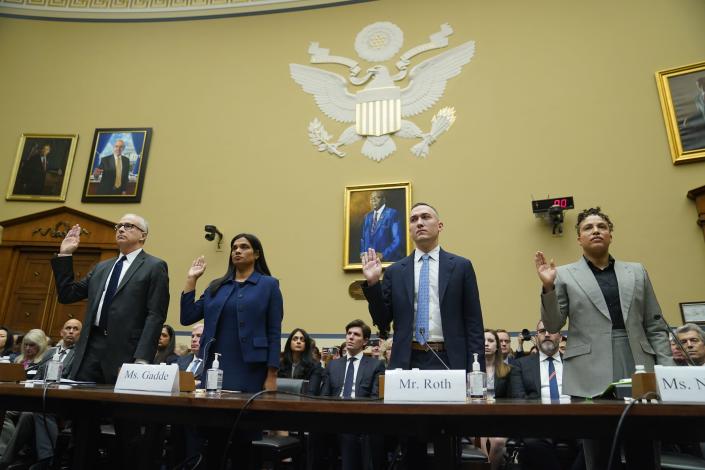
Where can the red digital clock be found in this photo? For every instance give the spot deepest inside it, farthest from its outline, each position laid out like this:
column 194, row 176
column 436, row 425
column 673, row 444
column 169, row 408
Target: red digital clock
column 543, row 205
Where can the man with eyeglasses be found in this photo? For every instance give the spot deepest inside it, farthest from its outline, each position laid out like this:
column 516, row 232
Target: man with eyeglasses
column 128, row 297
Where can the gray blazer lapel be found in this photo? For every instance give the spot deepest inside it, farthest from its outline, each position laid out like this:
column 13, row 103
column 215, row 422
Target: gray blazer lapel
column 446, row 264
column 134, row 266
column 625, row 280
column 586, row 280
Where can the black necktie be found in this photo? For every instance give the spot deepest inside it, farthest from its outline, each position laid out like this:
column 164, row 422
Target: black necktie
column 110, row 292
column 349, row 376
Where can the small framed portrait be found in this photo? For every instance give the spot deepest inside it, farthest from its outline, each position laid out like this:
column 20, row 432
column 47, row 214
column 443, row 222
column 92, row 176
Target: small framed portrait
column 118, row 164
column 682, row 93
column 42, row 167
column 693, row 312
column 375, row 217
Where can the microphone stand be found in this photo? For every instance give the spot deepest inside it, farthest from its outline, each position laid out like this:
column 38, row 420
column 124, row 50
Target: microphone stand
column 429, row 348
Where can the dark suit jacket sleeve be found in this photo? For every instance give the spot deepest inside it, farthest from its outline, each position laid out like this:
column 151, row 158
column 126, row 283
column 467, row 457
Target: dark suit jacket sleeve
column 314, row 380
column 191, row 311
column 67, row 289
column 125, row 176
column 379, row 300
column 157, row 306
column 327, row 387
column 472, row 316
column 275, row 314
column 396, row 236
column 514, row 386
column 379, row 370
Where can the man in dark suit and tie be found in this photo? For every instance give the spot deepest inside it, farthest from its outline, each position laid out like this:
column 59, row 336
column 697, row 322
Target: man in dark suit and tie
column 614, row 324
column 355, row 376
column 32, row 174
column 541, row 378
column 381, row 229
column 191, row 362
column 115, row 171
column 128, row 299
column 433, row 300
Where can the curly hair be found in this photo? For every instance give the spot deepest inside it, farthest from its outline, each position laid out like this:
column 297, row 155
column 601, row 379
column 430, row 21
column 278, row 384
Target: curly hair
column 593, row 211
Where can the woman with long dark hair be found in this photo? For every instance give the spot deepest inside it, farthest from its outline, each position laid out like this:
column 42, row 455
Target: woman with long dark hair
column 297, row 361
column 242, row 316
column 7, row 341
column 166, row 346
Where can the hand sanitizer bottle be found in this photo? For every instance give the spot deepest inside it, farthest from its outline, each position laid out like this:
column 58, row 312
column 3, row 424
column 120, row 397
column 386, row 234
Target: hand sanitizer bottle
column 214, row 378
column 476, row 381
column 54, row 369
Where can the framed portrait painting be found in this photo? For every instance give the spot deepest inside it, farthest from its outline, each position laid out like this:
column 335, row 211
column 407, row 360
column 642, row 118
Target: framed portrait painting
column 375, row 217
column 117, row 167
column 682, row 94
column 42, row 167
column 693, row 312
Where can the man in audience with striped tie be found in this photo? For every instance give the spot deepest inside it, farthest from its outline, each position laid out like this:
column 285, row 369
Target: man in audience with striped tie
column 192, row 362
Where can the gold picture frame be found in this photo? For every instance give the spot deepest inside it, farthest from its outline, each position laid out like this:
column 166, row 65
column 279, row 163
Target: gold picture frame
column 682, row 94
column 385, row 231
column 42, row 167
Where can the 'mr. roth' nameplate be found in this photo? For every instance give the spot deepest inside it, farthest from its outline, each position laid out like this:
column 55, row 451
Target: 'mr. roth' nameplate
column 681, row 384
column 148, row 378
column 431, row 386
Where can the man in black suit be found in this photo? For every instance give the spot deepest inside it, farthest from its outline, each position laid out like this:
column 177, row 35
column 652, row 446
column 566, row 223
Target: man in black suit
column 33, row 171
column 115, row 170
column 355, row 376
column 128, row 299
column 541, row 380
column 432, row 298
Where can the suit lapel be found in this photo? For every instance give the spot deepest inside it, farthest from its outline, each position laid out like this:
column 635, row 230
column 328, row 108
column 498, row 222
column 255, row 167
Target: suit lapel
column 358, row 378
column 446, row 265
column 134, row 266
column 625, row 281
column 407, row 270
column 586, row 280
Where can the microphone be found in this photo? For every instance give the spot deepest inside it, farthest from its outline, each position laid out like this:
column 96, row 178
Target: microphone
column 429, row 348
column 669, row 332
column 204, row 350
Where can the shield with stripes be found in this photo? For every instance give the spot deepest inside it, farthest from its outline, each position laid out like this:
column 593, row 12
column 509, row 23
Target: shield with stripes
column 378, row 111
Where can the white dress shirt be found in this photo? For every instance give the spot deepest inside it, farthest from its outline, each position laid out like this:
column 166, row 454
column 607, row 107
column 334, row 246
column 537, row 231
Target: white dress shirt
column 558, row 365
column 130, row 257
column 356, row 367
column 435, row 327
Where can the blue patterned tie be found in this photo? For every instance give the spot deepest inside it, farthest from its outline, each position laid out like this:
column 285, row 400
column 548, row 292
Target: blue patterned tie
column 349, row 376
column 110, row 292
column 552, row 380
column 422, row 302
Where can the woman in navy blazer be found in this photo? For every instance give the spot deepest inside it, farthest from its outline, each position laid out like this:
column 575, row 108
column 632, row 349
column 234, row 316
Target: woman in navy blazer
column 242, row 314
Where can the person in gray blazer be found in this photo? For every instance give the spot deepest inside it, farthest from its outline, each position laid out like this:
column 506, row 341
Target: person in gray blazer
column 614, row 315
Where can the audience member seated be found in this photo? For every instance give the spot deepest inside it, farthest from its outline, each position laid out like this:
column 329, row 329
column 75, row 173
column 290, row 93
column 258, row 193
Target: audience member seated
column 693, row 339
column 385, row 351
column 505, row 345
column 298, row 363
column 502, row 382
column 563, row 344
column 44, row 431
column 677, row 354
column 542, row 378
column 6, row 343
column 350, row 377
column 165, row 348
column 34, row 345
column 191, row 361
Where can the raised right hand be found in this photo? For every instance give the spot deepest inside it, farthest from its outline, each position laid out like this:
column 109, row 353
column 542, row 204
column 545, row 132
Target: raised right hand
column 546, row 270
column 71, row 241
column 371, row 267
column 198, row 267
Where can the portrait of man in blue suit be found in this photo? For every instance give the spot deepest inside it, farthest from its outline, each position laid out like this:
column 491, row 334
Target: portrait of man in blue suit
column 381, row 229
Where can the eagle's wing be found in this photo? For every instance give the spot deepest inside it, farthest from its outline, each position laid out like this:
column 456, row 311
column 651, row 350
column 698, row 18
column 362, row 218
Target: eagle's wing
column 428, row 79
column 329, row 89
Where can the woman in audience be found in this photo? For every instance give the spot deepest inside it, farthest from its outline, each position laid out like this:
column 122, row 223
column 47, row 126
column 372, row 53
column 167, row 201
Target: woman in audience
column 165, row 347
column 242, row 315
column 385, row 351
column 298, row 362
column 6, row 343
column 502, row 382
column 34, row 345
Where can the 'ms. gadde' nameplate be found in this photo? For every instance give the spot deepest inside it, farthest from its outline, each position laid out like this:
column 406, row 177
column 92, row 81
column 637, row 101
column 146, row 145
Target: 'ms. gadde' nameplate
column 681, row 384
column 430, row 386
column 148, row 378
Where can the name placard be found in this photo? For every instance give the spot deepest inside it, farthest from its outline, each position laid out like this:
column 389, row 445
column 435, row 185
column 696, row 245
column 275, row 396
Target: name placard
column 429, row 386
column 148, row 378
column 681, row 384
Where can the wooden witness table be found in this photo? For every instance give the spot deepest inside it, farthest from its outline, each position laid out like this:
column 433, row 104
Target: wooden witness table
column 435, row 422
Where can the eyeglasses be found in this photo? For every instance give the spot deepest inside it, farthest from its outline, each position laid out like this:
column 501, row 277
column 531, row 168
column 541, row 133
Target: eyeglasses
column 127, row 226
